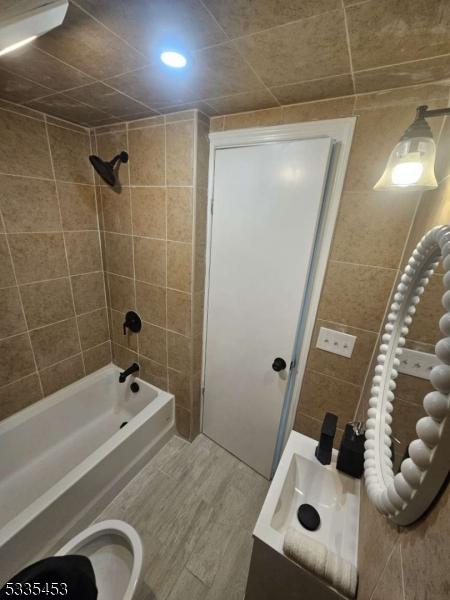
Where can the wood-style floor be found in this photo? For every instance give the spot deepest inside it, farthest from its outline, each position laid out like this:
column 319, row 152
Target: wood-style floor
column 195, row 506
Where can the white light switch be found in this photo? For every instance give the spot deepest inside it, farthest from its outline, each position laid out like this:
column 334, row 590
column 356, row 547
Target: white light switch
column 335, row 341
column 416, row 363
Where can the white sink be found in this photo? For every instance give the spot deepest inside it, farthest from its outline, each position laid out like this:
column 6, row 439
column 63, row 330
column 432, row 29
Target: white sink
column 300, row 479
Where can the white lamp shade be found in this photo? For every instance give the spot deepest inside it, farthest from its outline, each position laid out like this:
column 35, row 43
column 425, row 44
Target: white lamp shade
column 410, row 166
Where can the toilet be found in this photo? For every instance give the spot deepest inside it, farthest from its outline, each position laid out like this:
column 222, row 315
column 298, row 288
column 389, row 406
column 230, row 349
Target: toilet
column 115, row 551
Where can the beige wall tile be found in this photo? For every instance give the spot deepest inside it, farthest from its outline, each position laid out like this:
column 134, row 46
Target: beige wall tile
column 121, row 292
column 314, row 111
column 123, row 357
column 96, row 358
column 179, row 153
column 180, row 387
column 83, row 251
column 150, row 260
column 351, row 369
column 12, row 320
column 344, row 296
column 153, row 373
column 18, row 395
column 424, row 545
column 88, row 292
column 6, row 269
column 149, row 211
column 119, row 254
column 179, row 259
column 357, row 237
column 54, row 343
column 202, row 158
column 78, row 207
column 62, row 374
column 179, row 312
column 153, row 343
column 179, row 214
column 412, row 389
column 26, row 143
column 197, row 313
column 29, row 204
column 405, row 415
column 179, row 352
column 116, row 209
column 93, row 328
column 38, row 256
column 182, row 421
column 254, row 100
column 258, row 118
column 70, row 154
column 377, row 538
column 17, row 358
column 145, row 143
column 321, row 394
column 47, row 302
column 216, row 124
column 151, row 303
column 130, row 339
column 442, row 164
column 417, row 94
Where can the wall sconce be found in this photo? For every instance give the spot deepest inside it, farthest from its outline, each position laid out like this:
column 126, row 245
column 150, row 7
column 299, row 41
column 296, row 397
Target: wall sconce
column 411, row 163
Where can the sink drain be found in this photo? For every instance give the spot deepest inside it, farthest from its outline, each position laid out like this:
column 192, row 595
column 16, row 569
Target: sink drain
column 123, row 424
column 308, row 517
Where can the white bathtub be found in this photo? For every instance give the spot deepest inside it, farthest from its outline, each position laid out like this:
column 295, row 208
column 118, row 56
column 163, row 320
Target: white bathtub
column 64, row 458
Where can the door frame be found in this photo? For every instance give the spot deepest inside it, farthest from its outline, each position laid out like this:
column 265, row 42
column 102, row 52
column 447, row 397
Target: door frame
column 341, row 132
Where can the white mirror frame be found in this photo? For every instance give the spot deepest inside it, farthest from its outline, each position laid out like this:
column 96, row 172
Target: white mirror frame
column 404, row 497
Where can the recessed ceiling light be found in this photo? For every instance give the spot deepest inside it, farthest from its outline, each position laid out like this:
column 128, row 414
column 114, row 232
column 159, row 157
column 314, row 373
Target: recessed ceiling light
column 173, row 59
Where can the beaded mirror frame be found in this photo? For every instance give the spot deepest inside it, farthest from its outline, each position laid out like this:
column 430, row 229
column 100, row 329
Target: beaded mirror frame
column 404, row 497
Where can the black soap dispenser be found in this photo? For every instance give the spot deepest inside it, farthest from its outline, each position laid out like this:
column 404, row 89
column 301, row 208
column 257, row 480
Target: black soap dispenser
column 351, row 452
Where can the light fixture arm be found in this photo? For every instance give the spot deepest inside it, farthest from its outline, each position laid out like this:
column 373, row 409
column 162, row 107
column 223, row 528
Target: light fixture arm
column 424, row 113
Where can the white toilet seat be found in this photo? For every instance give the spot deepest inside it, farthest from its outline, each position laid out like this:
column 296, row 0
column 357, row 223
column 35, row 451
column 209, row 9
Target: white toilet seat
column 116, row 552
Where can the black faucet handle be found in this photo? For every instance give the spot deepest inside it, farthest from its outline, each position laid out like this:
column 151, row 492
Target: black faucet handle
column 132, row 322
column 325, row 447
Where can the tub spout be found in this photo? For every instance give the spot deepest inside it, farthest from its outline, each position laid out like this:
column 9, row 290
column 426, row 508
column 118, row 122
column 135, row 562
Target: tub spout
column 132, row 369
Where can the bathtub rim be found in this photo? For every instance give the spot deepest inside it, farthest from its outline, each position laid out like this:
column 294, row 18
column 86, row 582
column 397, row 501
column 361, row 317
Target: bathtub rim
column 40, row 504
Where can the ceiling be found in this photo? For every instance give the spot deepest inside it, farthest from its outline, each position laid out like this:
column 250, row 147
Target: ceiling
column 102, row 65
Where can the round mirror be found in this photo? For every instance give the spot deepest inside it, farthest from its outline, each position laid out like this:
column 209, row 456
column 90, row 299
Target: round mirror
column 403, row 489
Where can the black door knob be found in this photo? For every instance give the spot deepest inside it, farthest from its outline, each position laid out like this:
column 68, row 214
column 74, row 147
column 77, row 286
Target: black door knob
column 279, row 364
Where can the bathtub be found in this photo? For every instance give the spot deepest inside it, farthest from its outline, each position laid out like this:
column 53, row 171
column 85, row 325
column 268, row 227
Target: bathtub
column 64, row 458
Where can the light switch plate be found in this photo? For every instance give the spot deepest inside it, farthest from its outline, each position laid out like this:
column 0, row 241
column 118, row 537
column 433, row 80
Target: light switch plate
column 335, row 341
column 416, row 363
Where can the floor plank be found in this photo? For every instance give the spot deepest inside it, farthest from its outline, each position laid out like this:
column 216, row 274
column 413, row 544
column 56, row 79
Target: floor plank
column 195, row 506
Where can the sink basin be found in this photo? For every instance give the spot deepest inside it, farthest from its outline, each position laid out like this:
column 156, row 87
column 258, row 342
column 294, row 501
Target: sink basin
column 300, row 479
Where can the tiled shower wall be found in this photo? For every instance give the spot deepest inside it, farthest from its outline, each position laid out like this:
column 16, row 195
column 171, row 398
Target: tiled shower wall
column 53, row 324
column 154, row 235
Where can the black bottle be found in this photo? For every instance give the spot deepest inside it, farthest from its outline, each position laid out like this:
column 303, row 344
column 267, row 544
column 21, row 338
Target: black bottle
column 351, row 452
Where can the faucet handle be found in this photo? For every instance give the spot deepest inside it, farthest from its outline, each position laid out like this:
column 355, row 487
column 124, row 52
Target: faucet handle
column 359, row 427
column 132, row 322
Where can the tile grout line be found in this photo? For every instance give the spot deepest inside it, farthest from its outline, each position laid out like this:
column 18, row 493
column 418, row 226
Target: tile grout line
column 349, row 49
column 166, row 255
column 65, row 246
column 138, row 350
column 27, row 332
column 194, row 174
column 35, row 282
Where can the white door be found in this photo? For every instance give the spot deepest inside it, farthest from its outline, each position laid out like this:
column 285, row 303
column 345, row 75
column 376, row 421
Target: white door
column 267, row 202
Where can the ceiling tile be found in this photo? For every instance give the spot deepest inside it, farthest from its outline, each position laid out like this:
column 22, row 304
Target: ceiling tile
column 242, row 102
column 241, row 17
column 152, row 25
column 85, row 44
column 107, row 99
column 17, row 89
column 386, row 32
column 67, row 108
column 319, row 89
column 292, row 53
column 155, row 85
column 222, row 71
column 421, row 71
column 34, row 64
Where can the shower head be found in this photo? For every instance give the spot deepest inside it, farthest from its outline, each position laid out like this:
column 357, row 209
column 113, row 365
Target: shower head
column 106, row 169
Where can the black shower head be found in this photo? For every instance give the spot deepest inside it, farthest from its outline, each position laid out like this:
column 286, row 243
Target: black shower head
column 106, row 169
